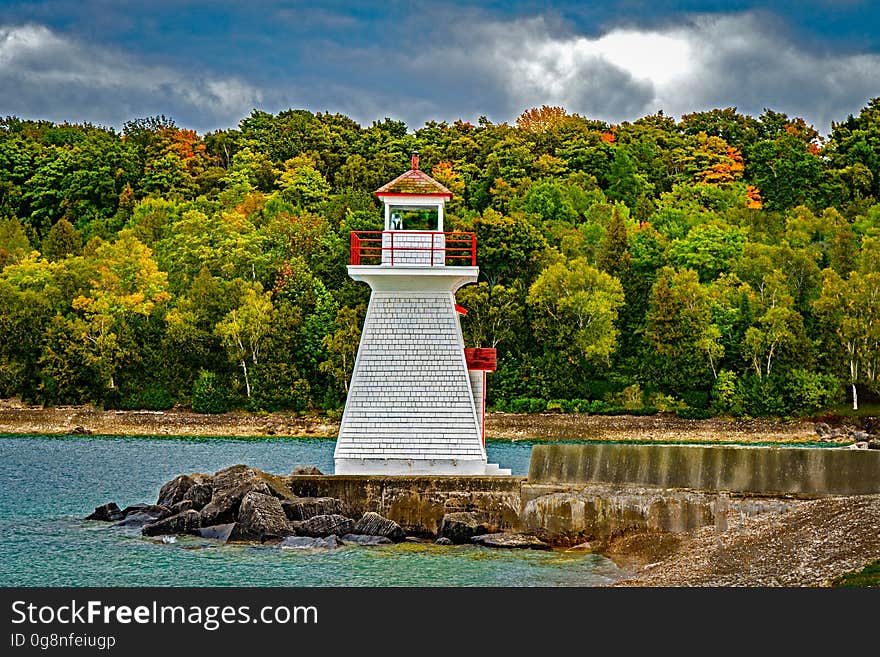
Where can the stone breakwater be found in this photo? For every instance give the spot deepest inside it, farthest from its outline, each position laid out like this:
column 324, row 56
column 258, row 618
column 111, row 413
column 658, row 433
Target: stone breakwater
column 637, row 504
column 309, row 510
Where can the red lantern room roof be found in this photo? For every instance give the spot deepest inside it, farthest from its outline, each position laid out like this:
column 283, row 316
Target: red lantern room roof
column 414, row 183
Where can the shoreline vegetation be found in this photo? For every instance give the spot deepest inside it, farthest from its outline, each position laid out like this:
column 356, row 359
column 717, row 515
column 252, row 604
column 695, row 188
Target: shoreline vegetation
column 716, row 264
column 19, row 418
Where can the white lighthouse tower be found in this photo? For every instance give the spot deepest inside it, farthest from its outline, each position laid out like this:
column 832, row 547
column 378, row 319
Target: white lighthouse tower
column 416, row 400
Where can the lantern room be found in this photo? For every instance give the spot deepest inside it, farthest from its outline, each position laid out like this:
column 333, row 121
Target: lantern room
column 414, row 201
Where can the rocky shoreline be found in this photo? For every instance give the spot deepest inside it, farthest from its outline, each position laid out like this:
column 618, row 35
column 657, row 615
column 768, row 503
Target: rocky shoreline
column 244, row 504
column 798, row 542
column 813, row 543
column 18, row 418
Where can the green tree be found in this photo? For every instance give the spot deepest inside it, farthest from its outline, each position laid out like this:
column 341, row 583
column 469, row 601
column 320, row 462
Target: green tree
column 779, row 328
column 614, row 256
column 302, row 184
column 508, row 250
column 342, row 345
column 708, row 249
column 244, row 329
column 127, row 285
column 14, row 244
column 576, row 306
column 63, row 240
column 682, row 342
column 851, row 307
column 494, row 314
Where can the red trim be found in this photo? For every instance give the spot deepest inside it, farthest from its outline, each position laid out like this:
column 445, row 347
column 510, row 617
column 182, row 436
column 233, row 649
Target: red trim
column 461, row 310
column 481, row 358
column 441, row 194
column 368, row 245
column 483, row 423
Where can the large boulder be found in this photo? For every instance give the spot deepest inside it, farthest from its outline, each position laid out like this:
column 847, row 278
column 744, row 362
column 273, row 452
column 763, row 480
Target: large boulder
column 223, row 507
column 324, row 525
column 187, row 522
column 461, row 526
column 200, row 495
column 173, row 491
column 372, row 524
column 183, row 505
column 310, row 542
column 237, row 476
column 156, row 510
column 362, row 539
column 261, row 516
column 304, row 508
column 107, row 512
column 305, row 470
column 504, row 540
column 136, row 519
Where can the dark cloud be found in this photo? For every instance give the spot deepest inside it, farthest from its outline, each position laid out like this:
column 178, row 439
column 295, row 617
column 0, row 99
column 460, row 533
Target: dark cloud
column 439, row 64
column 46, row 75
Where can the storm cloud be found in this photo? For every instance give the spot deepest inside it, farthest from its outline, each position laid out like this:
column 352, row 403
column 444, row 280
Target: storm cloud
column 45, row 75
column 431, row 67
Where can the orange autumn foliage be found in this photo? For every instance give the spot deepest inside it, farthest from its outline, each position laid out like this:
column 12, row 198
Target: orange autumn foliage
column 729, row 170
column 753, row 198
column 541, row 120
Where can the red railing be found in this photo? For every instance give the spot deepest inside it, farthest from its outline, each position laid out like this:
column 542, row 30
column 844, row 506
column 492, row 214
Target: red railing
column 413, row 248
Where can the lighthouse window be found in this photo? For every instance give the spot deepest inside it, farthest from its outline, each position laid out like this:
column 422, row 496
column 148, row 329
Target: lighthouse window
column 413, row 219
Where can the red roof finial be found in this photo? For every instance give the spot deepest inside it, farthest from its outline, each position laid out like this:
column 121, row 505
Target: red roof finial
column 415, row 161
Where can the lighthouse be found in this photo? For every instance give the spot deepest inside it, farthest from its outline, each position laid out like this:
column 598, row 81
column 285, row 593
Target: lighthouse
column 416, row 401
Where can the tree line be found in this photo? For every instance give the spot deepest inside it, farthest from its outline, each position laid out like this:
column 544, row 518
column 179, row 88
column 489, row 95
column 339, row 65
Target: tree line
column 716, row 264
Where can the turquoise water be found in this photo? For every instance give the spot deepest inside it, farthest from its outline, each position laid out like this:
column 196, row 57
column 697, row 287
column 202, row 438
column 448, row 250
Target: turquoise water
column 48, row 483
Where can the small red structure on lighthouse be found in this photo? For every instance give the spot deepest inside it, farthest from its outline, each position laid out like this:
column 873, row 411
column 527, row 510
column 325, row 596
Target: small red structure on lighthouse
column 416, row 400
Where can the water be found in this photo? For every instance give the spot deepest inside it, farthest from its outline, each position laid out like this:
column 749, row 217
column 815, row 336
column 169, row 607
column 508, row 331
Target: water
column 48, row 483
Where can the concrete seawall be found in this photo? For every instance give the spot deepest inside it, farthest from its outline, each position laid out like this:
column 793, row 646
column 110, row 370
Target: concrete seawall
column 418, row 503
column 746, row 470
column 597, row 492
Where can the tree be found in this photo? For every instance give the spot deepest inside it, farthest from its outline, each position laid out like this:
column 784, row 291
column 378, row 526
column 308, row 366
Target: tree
column 14, row 244
column 851, row 307
column 709, row 249
column 244, row 328
column 779, row 328
column 614, row 255
column 627, row 184
column 507, row 249
column 785, row 170
column 302, row 184
column 576, row 306
column 682, row 342
column 127, row 285
column 62, row 241
column 494, row 314
column 342, row 345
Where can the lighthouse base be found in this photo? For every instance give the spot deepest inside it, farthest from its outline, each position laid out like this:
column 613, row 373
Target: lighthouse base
column 347, row 466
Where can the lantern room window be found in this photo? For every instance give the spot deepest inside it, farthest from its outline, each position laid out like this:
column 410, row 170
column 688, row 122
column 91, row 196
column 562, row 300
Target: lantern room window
column 424, row 218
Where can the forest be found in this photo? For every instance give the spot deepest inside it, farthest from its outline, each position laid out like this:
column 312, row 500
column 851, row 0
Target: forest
column 718, row 264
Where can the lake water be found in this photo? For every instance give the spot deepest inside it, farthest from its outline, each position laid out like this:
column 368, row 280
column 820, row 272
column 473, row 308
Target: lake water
column 49, row 483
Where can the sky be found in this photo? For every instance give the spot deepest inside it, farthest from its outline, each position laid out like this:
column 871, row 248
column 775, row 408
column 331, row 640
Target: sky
column 208, row 63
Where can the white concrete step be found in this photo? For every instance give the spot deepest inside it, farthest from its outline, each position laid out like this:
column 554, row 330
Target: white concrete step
column 495, row 469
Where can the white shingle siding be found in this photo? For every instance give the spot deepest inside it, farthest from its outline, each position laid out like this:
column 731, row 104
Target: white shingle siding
column 410, row 397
